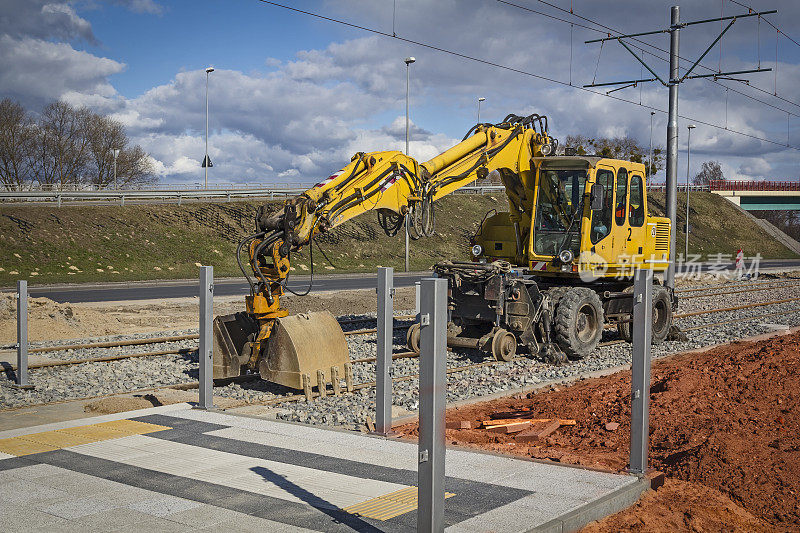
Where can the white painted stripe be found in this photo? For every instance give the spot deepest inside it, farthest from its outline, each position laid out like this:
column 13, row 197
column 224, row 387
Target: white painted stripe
column 260, row 476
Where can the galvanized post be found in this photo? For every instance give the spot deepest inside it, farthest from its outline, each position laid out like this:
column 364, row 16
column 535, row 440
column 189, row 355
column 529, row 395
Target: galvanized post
column 432, row 395
column 22, row 336
column 672, row 142
column 416, row 300
column 640, row 369
column 383, row 362
column 206, row 352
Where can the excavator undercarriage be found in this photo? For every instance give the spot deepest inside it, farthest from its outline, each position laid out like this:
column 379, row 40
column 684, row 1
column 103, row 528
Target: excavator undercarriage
column 528, row 286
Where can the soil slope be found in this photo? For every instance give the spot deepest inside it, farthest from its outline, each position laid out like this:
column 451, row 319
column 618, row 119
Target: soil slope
column 725, row 419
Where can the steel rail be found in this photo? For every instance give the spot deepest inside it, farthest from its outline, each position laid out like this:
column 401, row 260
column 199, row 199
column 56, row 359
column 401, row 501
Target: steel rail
column 400, row 355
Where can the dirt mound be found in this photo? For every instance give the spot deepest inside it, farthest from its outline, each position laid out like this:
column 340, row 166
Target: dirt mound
column 681, row 506
column 48, row 320
column 726, row 418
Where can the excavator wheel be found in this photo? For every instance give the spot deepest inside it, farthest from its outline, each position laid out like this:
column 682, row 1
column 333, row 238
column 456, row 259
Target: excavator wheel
column 504, row 345
column 662, row 318
column 412, row 338
column 578, row 322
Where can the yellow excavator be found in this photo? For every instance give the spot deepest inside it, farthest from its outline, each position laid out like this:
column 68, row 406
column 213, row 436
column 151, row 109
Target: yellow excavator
column 545, row 275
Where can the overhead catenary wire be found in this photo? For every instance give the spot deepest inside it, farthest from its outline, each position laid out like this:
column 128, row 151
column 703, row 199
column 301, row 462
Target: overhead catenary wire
column 645, row 43
column 512, row 69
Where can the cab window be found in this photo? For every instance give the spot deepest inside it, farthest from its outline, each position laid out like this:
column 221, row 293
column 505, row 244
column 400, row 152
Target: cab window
column 622, row 193
column 637, row 202
column 601, row 220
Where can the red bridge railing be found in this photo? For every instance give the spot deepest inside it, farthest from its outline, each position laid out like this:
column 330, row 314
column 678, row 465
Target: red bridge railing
column 739, row 185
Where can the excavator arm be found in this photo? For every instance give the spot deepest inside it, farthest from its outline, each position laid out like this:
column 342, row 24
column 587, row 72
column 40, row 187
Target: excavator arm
column 400, row 190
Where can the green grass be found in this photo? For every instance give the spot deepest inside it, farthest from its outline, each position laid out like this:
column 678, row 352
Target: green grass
column 110, row 243
column 717, row 226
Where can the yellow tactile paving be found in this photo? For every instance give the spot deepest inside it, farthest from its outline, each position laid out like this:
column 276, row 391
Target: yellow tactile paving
column 48, row 441
column 389, row 505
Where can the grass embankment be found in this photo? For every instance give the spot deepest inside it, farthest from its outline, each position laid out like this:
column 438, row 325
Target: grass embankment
column 717, row 226
column 110, row 243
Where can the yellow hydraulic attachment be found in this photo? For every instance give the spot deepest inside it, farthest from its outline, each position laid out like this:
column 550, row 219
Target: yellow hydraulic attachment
column 569, row 217
column 289, row 350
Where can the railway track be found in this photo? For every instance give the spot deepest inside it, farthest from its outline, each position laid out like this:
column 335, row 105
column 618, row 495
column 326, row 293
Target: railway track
column 399, row 355
column 366, row 331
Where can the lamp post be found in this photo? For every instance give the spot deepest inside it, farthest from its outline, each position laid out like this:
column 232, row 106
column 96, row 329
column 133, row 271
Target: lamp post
column 481, row 99
column 650, row 163
column 206, row 160
column 407, row 61
column 688, row 148
column 115, row 151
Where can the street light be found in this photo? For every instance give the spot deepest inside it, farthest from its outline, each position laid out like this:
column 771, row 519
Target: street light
column 115, row 151
column 650, row 164
column 481, row 99
column 407, row 61
column 688, row 148
column 206, row 159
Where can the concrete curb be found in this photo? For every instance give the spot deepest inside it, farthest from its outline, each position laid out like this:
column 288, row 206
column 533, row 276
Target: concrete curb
column 609, row 504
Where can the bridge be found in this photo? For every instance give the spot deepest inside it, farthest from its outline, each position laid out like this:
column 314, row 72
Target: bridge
column 759, row 195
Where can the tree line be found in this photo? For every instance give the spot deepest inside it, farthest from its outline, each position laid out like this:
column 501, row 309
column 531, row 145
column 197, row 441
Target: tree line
column 67, row 145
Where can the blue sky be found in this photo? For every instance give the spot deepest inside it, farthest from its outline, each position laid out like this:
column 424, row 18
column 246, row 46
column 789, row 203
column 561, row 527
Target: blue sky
column 293, row 97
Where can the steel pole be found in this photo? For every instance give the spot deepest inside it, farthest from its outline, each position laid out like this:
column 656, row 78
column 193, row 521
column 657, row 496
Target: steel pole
column 479, row 111
column 115, row 173
column 22, row 335
column 407, row 215
column 672, row 142
column 206, row 161
column 432, row 396
column 640, row 369
column 651, row 164
column 688, row 150
column 383, row 362
column 206, row 352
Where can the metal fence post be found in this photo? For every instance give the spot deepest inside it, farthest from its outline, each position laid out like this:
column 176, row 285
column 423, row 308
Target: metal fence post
column 206, row 351
column 416, row 301
column 432, row 396
column 640, row 369
column 22, row 336
column 383, row 362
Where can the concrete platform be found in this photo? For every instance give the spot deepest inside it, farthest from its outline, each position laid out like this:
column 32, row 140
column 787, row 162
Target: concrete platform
column 172, row 468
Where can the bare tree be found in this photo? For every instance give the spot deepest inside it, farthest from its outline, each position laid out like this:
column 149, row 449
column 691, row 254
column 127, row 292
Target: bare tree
column 134, row 165
column 710, row 171
column 63, row 144
column 618, row 148
column 16, row 145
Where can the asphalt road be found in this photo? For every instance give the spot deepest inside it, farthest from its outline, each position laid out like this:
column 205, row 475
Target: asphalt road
column 105, row 292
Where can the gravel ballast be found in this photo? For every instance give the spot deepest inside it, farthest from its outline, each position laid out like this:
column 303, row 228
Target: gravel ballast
column 353, row 410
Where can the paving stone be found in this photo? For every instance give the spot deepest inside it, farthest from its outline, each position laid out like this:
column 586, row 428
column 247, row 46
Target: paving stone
column 163, row 505
column 75, row 508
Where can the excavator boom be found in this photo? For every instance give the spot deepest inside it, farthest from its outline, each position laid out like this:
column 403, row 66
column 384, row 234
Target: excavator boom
column 397, row 188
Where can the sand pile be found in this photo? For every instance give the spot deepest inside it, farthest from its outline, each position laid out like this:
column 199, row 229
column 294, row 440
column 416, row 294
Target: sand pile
column 48, row 320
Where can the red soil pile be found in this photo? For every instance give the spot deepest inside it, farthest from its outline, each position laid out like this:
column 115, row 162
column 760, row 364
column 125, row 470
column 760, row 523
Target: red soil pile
column 726, row 418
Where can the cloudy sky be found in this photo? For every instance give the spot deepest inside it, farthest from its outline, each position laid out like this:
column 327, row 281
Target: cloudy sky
column 293, row 96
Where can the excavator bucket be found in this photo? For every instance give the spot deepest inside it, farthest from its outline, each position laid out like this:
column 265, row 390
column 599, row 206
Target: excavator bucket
column 303, row 345
column 230, row 336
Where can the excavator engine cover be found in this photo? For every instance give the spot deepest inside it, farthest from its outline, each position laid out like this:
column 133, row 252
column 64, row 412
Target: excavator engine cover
column 303, row 344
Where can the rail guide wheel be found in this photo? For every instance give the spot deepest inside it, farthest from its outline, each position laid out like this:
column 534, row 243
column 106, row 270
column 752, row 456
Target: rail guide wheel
column 504, row 345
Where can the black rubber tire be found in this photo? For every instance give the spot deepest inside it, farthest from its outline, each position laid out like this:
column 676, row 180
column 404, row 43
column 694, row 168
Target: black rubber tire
column 504, row 345
column 662, row 318
column 578, row 322
column 662, row 314
column 412, row 338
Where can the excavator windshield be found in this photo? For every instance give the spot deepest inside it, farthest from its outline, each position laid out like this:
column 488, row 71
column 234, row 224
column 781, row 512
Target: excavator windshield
column 558, row 211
